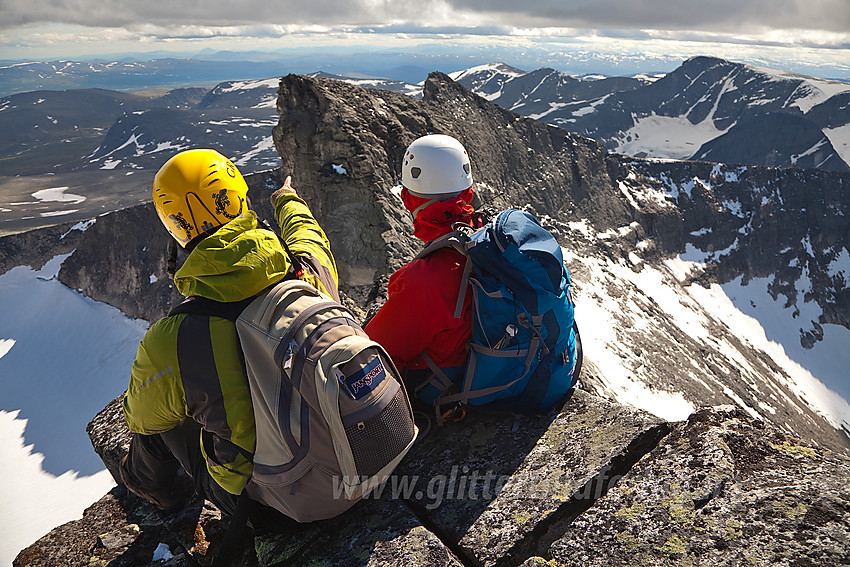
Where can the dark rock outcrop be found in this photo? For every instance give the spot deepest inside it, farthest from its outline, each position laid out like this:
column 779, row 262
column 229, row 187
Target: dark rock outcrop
column 774, row 140
column 329, row 127
column 121, row 259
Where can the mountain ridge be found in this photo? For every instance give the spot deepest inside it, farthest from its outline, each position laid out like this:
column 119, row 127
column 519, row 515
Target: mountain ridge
column 49, row 146
column 713, row 94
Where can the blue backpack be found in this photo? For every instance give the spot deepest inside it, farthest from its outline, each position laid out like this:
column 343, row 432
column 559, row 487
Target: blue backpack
column 524, row 351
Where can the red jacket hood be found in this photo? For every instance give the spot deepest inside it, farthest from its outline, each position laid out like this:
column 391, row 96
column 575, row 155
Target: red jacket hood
column 437, row 219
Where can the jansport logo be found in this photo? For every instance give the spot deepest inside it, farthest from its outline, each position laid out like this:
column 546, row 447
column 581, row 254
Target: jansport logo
column 364, row 380
column 367, row 379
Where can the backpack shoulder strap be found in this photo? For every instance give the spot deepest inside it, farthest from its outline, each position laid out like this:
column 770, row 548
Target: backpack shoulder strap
column 456, row 240
column 210, row 307
column 459, row 241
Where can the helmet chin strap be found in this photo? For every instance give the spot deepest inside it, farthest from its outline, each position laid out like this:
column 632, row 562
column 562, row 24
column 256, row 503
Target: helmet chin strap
column 171, row 262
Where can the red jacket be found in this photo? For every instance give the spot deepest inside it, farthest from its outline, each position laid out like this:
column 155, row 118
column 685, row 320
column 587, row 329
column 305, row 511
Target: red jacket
column 419, row 313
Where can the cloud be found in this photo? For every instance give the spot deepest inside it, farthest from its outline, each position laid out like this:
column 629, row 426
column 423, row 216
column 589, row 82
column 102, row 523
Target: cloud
column 808, row 31
column 121, row 13
column 706, row 15
column 714, row 15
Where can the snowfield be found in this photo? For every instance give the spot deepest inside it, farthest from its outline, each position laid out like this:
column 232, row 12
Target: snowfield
column 63, row 357
column 612, row 298
column 666, row 137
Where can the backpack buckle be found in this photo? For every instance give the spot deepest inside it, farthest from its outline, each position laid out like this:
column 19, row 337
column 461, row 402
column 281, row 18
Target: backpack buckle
column 454, row 414
column 463, row 229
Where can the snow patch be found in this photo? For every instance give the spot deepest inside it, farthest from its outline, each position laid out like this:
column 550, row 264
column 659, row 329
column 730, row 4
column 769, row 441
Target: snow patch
column 249, row 85
column 162, row 553
column 339, row 169
column 816, row 91
column 396, row 191
column 590, row 108
column 682, row 269
column 553, row 106
column 58, row 195
column 81, row 226
column 264, row 145
column 735, row 208
column 58, row 213
column 665, row 137
column 814, row 149
column 840, row 139
column 163, row 146
column 727, row 173
column 492, row 68
column 582, row 227
column 267, row 102
column 840, row 266
column 51, row 268
column 5, row 346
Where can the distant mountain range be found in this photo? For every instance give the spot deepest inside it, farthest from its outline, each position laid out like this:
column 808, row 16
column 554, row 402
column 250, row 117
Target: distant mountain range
column 128, row 75
column 110, row 128
column 708, row 109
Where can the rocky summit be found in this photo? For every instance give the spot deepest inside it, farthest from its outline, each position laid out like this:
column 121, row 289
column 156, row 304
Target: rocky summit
column 596, row 481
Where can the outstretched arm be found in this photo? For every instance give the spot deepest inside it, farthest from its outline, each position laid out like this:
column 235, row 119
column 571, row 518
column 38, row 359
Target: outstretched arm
column 302, row 233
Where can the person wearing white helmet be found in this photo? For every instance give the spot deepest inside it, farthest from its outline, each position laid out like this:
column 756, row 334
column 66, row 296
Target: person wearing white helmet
column 418, row 316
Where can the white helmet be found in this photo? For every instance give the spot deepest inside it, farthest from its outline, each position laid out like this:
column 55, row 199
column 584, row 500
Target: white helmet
column 436, row 167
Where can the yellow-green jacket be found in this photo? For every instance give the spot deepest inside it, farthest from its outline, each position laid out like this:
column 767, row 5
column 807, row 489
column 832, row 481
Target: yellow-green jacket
column 235, row 263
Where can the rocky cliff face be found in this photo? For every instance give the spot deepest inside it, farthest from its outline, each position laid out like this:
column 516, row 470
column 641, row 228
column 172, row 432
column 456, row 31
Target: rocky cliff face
column 344, row 145
column 752, row 222
column 505, row 490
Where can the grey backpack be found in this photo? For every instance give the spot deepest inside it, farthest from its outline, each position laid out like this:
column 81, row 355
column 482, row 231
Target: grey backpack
column 332, row 416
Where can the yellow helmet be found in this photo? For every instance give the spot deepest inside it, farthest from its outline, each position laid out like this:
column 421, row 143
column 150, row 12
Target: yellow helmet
column 197, row 191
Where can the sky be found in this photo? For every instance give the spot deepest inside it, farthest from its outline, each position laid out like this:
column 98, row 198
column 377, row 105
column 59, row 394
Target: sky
column 809, row 32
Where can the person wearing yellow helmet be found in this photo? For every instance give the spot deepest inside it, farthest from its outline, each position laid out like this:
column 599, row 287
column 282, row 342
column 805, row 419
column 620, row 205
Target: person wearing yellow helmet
column 196, row 192
column 188, row 403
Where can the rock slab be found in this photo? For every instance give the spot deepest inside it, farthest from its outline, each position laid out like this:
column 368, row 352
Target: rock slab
column 722, row 489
